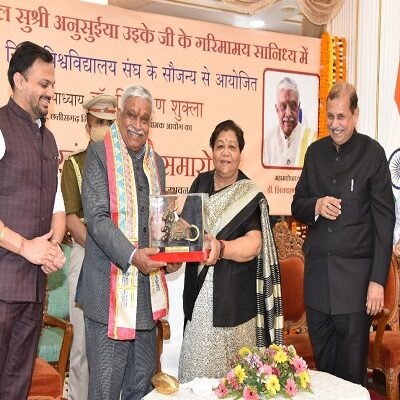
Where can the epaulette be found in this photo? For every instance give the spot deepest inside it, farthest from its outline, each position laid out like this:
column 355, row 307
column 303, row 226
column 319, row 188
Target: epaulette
column 75, row 153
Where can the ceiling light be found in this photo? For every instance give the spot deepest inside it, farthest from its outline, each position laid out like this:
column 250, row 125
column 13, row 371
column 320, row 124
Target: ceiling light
column 256, row 23
column 289, row 9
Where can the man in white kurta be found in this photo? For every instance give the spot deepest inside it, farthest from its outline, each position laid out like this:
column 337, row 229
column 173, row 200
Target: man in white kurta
column 288, row 151
column 286, row 144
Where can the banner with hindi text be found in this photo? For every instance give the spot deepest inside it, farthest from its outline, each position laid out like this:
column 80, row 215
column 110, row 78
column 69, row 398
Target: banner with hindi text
column 198, row 73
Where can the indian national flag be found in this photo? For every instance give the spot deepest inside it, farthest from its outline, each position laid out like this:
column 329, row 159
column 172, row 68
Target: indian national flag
column 392, row 147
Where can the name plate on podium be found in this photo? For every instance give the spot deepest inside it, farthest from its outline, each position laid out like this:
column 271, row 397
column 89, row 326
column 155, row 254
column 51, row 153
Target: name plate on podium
column 176, row 226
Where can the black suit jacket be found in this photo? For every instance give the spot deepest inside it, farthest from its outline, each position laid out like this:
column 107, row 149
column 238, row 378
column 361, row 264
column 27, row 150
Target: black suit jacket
column 342, row 256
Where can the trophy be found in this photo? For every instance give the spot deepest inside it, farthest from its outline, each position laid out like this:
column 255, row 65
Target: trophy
column 176, row 225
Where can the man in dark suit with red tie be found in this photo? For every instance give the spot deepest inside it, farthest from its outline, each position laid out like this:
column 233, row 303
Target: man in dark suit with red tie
column 345, row 196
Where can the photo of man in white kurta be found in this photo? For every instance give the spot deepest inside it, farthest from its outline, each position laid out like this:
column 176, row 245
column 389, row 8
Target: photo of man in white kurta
column 286, row 143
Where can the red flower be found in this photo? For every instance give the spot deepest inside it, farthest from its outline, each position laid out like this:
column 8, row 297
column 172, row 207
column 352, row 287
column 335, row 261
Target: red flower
column 221, row 391
column 250, row 394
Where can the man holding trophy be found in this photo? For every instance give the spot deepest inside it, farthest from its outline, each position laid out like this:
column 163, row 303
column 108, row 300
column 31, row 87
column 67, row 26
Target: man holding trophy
column 118, row 275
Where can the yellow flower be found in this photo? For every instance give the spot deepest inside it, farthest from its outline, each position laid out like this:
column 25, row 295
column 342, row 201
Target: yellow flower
column 240, row 373
column 274, row 346
column 273, row 385
column 304, row 379
column 280, row 356
column 244, row 351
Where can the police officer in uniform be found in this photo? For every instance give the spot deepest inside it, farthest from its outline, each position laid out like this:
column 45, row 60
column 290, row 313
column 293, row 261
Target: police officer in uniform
column 101, row 113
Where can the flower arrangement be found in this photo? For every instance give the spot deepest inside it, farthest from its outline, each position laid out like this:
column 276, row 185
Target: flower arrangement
column 333, row 69
column 264, row 373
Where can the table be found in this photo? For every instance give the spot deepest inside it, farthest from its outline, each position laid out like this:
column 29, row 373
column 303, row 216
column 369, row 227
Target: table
column 325, row 387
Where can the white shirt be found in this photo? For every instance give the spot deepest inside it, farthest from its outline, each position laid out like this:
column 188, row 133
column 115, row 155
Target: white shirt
column 59, row 201
column 283, row 151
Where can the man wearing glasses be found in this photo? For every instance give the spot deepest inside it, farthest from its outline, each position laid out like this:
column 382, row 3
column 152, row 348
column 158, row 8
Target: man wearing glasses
column 100, row 114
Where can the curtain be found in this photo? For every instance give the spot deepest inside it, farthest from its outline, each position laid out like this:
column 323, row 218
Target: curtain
column 316, row 13
column 248, row 6
column 319, row 12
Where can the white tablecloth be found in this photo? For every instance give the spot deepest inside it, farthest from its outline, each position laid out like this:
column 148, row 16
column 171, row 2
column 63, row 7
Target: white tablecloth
column 324, row 387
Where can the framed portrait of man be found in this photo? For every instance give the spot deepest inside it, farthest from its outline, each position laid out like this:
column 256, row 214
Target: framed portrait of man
column 290, row 117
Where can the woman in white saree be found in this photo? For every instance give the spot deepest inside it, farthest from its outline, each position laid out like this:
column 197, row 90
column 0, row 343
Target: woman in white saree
column 233, row 299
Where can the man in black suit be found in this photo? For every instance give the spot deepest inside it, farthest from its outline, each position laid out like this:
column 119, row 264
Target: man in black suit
column 344, row 194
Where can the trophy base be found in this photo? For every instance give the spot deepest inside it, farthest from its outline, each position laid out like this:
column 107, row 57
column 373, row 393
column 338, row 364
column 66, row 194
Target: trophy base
column 178, row 257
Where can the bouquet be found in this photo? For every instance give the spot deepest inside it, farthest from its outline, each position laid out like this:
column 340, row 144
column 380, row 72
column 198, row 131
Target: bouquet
column 264, row 373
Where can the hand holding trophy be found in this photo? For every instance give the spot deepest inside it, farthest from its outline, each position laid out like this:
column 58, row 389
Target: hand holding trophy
column 177, row 227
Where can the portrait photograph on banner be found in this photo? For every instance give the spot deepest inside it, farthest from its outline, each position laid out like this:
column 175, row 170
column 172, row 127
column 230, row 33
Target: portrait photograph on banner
column 290, row 117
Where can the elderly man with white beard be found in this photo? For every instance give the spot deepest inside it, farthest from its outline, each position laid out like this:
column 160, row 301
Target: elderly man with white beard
column 117, row 273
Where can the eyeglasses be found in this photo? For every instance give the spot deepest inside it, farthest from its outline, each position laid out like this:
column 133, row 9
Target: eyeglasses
column 133, row 117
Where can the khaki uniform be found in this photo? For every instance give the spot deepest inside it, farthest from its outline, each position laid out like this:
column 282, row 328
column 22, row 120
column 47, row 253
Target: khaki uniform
column 71, row 185
column 103, row 108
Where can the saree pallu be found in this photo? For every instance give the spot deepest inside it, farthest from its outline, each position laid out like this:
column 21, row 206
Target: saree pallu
column 215, row 325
